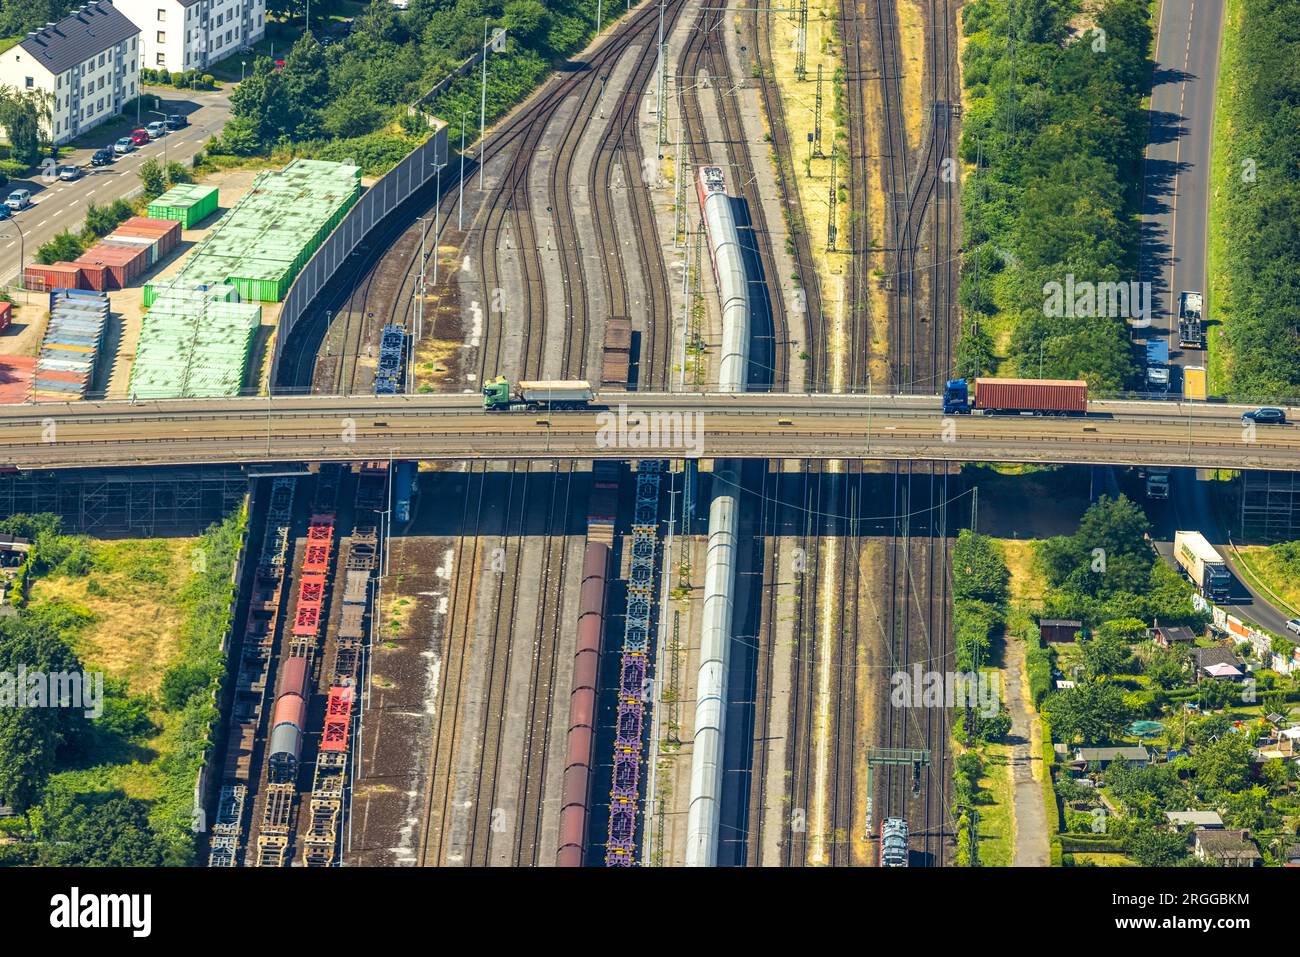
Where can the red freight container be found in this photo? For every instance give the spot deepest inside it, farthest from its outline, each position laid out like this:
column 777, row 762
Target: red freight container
column 57, row 276
column 1032, row 395
column 166, row 231
column 6, row 315
column 62, row 375
column 16, row 373
column 338, row 716
column 94, row 276
column 123, row 264
column 294, row 677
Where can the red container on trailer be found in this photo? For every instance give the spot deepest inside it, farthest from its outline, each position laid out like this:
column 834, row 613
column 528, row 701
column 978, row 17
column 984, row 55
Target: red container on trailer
column 1032, row 395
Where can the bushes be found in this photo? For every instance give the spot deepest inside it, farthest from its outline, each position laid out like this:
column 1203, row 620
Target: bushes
column 1039, row 664
column 64, row 247
column 1059, row 133
column 1260, row 196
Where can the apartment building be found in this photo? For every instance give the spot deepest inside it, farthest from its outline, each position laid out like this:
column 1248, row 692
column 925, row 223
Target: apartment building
column 87, row 65
column 181, row 35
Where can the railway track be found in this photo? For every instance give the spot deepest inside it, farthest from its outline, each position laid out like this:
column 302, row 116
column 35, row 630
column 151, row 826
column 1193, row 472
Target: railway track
column 436, row 825
column 921, row 282
column 704, row 53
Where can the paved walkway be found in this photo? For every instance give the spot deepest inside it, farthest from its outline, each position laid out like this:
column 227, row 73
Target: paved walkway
column 1032, row 848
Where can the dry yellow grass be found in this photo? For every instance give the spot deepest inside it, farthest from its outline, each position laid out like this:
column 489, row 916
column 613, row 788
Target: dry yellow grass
column 135, row 634
column 911, row 40
column 1027, row 584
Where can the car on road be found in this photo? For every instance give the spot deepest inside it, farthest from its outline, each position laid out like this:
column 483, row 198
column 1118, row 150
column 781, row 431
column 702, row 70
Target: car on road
column 1265, row 416
column 102, row 156
column 69, row 173
column 124, row 145
column 19, row 199
column 156, row 130
column 139, row 137
column 176, row 121
column 1293, row 625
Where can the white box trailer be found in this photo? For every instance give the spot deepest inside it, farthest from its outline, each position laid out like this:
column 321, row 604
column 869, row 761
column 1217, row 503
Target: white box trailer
column 1202, row 564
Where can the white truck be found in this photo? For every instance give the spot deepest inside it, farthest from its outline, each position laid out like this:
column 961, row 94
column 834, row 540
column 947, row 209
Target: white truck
column 1191, row 330
column 1157, row 483
column 1203, row 565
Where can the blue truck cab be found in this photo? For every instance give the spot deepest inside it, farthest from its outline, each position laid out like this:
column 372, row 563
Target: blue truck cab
column 956, row 397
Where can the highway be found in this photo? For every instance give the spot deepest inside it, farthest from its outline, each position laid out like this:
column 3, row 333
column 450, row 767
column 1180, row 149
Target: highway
column 628, row 426
column 1177, row 171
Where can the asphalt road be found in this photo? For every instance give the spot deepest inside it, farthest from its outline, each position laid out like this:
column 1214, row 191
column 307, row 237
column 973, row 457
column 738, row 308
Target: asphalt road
column 57, row 206
column 631, row 425
column 1177, row 187
column 1189, row 507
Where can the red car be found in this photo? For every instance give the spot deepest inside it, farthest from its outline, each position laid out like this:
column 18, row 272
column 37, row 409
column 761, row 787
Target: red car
column 139, row 137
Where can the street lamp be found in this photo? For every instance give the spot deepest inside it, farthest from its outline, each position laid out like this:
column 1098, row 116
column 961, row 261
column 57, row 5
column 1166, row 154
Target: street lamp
column 460, row 198
column 164, row 119
column 242, row 64
column 22, row 251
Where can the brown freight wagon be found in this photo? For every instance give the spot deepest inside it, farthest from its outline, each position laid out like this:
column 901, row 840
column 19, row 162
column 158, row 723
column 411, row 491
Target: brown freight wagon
column 1039, row 396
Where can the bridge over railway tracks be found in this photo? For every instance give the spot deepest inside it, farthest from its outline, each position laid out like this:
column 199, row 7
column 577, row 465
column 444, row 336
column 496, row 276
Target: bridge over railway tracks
column 629, row 426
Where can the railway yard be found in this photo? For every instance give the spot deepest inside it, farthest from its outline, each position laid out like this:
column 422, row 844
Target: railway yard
column 531, row 693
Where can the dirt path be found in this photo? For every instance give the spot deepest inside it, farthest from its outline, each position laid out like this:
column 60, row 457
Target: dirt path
column 1031, row 844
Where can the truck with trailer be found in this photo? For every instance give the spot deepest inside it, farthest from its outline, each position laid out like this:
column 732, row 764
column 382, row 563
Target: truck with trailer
column 536, row 396
column 1016, row 397
column 1191, row 330
column 1203, row 565
column 1157, row 483
column 1157, row 362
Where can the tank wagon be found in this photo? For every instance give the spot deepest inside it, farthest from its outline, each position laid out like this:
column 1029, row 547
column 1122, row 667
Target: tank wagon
column 392, row 348
column 893, row 842
column 729, row 271
column 287, row 722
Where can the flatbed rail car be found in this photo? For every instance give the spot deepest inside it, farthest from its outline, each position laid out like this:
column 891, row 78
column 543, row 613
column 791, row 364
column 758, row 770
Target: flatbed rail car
column 1016, row 397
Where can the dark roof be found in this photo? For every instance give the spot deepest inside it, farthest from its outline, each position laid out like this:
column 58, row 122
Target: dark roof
column 1217, row 655
column 1176, row 632
column 1059, row 623
column 87, row 32
column 1230, row 844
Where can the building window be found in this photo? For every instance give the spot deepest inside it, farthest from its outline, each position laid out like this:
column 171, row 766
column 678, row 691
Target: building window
column 100, row 104
column 161, row 61
column 133, row 87
column 30, row 83
column 101, row 59
column 162, row 37
column 58, row 127
column 220, row 19
column 162, row 15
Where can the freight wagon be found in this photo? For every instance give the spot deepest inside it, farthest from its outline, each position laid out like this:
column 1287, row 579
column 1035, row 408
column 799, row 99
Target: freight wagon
column 287, row 723
column 1016, row 397
column 392, row 347
column 893, row 842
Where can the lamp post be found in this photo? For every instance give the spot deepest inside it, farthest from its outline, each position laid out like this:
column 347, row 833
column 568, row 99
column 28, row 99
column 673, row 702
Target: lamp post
column 460, row 197
column 482, row 107
column 164, row 139
column 242, row 64
column 22, row 252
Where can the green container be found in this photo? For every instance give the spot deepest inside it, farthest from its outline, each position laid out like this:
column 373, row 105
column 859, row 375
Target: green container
column 189, row 203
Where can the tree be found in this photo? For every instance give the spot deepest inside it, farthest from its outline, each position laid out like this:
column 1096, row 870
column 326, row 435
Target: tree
column 1222, row 765
column 1167, row 669
column 153, row 178
column 525, row 19
column 20, row 117
column 177, row 173
column 978, row 568
column 115, row 833
column 64, row 247
column 1091, row 712
column 1155, row 846
column 1108, row 652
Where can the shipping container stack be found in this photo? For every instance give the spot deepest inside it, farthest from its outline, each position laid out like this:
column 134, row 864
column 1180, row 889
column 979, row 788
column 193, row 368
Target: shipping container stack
column 262, row 244
column 188, row 203
column 65, row 366
column 195, row 344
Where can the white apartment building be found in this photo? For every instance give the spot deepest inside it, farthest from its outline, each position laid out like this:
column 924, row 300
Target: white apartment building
column 87, row 64
column 181, row 35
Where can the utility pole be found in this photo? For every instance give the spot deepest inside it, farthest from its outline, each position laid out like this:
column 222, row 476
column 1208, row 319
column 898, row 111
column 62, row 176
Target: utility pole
column 482, row 108
column 817, row 115
column 833, row 200
column 801, row 43
column 660, row 96
column 460, row 198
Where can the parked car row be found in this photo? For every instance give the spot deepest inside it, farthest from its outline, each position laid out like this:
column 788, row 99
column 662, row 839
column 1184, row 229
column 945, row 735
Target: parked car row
column 20, row 199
